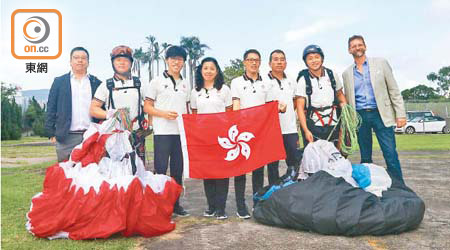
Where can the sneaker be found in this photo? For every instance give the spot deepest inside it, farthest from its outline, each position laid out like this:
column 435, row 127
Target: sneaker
column 209, row 213
column 180, row 211
column 243, row 214
column 221, row 216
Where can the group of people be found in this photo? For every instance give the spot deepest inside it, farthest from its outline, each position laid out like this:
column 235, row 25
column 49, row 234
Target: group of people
column 314, row 98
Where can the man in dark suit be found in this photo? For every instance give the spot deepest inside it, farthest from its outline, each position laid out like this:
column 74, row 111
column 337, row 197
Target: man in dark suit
column 68, row 104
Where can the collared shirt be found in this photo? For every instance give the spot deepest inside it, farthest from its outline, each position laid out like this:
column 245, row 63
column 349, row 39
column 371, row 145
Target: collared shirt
column 364, row 96
column 81, row 101
column 322, row 93
column 249, row 92
column 170, row 95
column 123, row 98
column 284, row 91
column 211, row 100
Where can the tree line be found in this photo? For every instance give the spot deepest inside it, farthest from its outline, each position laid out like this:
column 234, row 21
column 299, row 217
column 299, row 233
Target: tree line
column 14, row 123
column 422, row 92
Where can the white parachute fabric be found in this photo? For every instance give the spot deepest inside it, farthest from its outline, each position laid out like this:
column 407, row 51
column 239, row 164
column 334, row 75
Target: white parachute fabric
column 323, row 155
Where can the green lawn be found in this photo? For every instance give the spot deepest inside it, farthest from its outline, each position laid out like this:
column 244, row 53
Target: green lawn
column 419, row 142
column 26, row 139
column 416, row 142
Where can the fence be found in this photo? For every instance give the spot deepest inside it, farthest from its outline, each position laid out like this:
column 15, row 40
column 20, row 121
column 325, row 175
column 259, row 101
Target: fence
column 441, row 109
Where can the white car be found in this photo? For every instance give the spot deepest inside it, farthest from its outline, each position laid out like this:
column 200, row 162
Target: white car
column 425, row 124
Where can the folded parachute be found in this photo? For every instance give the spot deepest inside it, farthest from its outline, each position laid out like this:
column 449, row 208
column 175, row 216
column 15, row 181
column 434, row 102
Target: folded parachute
column 330, row 202
column 102, row 190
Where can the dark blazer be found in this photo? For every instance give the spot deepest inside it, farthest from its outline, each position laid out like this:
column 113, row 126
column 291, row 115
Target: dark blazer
column 59, row 106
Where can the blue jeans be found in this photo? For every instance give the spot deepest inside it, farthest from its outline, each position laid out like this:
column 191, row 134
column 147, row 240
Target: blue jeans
column 386, row 139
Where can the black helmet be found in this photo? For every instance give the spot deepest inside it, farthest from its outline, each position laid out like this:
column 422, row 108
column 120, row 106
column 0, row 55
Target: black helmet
column 122, row 51
column 174, row 51
column 312, row 49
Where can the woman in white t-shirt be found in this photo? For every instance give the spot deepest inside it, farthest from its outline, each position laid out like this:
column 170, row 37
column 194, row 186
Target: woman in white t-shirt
column 211, row 95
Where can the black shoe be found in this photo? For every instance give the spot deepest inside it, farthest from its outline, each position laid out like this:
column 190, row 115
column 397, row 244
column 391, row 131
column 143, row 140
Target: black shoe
column 209, row 213
column 221, row 216
column 243, row 214
column 179, row 211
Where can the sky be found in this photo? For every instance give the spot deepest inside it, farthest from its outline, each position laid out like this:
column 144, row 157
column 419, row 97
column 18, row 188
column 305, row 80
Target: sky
column 414, row 36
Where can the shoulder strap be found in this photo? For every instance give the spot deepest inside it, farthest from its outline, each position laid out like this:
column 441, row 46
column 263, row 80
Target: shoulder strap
column 333, row 84
column 136, row 82
column 305, row 74
column 140, row 115
column 110, row 86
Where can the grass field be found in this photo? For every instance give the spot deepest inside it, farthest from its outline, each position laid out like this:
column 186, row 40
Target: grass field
column 19, row 184
column 418, row 142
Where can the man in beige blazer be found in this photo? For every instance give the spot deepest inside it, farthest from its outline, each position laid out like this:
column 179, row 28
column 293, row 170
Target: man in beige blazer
column 370, row 87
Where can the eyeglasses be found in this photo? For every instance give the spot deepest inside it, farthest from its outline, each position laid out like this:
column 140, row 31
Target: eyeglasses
column 84, row 58
column 253, row 60
column 176, row 58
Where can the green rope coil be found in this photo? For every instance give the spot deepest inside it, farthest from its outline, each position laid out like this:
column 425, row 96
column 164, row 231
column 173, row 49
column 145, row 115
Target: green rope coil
column 350, row 123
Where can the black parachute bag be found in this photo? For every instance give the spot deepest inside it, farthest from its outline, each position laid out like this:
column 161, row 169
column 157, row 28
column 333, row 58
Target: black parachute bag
column 328, row 205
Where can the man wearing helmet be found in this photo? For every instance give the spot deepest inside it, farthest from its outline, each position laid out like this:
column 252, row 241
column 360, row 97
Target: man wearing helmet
column 120, row 92
column 166, row 98
column 371, row 88
column 319, row 90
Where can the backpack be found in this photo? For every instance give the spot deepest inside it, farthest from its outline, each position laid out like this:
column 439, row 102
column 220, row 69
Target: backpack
column 305, row 73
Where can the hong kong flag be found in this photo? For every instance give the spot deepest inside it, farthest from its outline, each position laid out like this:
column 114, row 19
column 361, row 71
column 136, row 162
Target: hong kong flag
column 230, row 144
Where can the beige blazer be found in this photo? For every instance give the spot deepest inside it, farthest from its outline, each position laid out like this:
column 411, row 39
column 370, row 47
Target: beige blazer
column 387, row 95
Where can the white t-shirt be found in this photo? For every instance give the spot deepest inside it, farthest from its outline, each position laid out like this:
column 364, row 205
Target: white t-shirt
column 212, row 100
column 286, row 94
column 250, row 93
column 322, row 94
column 168, row 97
column 81, row 101
column 123, row 98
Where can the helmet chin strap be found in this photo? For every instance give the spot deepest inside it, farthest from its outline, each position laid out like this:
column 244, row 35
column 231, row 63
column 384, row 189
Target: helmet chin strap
column 125, row 75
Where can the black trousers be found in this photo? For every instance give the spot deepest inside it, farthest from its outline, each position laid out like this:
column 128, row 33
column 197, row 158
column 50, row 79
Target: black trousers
column 290, row 145
column 257, row 183
column 216, row 191
column 239, row 191
column 168, row 153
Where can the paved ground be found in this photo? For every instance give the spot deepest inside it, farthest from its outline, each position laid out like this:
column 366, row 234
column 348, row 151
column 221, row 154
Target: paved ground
column 428, row 173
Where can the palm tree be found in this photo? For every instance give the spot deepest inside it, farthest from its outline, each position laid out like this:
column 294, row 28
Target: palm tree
column 156, row 56
column 164, row 46
column 195, row 51
column 138, row 56
column 149, row 56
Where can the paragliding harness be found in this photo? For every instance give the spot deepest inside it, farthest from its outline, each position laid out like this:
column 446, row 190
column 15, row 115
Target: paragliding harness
column 137, row 137
column 310, row 110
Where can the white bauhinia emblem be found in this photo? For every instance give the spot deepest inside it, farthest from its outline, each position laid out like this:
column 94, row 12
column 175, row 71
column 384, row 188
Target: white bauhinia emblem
column 236, row 143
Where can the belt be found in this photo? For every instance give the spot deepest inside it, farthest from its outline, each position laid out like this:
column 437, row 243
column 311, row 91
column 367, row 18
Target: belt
column 369, row 110
column 81, row 131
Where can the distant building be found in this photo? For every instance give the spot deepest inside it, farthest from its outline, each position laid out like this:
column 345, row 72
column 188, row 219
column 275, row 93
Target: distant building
column 23, row 97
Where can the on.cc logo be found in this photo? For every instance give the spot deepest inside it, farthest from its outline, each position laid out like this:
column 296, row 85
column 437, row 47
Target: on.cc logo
column 40, row 27
column 36, row 34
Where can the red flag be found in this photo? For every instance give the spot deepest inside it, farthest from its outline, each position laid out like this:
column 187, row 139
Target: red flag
column 230, row 144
